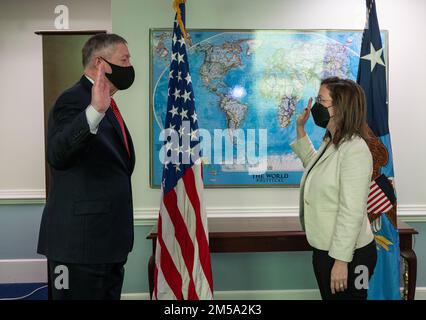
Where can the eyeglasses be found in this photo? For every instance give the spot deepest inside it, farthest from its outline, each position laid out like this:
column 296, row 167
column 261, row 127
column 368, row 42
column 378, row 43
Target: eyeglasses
column 320, row 100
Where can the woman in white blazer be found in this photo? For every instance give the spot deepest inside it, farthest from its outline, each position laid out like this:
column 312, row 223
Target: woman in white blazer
column 334, row 190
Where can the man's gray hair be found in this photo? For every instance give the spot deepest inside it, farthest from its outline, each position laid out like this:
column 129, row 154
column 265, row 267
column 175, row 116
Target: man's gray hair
column 98, row 43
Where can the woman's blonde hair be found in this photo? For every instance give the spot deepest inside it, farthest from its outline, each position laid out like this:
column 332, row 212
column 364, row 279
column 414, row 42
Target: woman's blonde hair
column 350, row 110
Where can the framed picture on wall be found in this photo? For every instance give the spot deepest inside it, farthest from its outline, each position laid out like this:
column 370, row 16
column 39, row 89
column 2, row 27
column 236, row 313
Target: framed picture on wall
column 249, row 86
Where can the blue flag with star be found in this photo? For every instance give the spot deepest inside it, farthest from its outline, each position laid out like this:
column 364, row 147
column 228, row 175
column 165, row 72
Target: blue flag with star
column 385, row 282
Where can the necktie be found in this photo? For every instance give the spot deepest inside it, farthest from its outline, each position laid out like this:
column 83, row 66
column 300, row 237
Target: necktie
column 119, row 118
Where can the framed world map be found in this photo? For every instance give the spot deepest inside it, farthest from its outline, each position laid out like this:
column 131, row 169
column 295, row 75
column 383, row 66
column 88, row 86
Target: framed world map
column 250, row 83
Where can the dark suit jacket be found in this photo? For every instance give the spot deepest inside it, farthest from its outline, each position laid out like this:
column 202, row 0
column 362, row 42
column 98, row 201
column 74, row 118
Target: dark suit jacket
column 88, row 217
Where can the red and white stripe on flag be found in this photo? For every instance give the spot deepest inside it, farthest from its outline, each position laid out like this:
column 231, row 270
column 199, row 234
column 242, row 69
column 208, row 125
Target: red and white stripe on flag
column 377, row 202
column 182, row 262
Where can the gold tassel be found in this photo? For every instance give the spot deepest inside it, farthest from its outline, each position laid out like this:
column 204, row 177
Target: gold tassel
column 176, row 7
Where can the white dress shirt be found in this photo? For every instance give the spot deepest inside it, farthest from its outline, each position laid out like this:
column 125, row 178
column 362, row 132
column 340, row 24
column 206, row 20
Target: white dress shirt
column 93, row 116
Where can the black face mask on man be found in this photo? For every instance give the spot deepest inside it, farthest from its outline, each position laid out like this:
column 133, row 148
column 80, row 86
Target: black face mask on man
column 121, row 77
column 320, row 115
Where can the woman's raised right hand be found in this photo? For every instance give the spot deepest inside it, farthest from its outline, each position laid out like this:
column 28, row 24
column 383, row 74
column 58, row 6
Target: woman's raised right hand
column 304, row 116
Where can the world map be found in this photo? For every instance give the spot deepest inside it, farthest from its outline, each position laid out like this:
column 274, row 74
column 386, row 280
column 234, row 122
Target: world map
column 254, row 80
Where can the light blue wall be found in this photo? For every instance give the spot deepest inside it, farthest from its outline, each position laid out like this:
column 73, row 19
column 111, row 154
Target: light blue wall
column 231, row 271
column 19, row 226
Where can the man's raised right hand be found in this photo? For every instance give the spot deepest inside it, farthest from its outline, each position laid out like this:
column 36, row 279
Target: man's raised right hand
column 101, row 98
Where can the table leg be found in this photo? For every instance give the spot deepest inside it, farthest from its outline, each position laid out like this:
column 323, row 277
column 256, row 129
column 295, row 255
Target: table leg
column 410, row 274
column 151, row 268
column 151, row 265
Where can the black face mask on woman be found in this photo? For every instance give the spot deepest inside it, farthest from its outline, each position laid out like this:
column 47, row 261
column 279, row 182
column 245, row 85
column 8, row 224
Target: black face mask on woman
column 121, row 77
column 320, row 115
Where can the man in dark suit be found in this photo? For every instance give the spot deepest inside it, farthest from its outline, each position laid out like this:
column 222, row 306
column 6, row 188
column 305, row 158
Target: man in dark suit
column 87, row 223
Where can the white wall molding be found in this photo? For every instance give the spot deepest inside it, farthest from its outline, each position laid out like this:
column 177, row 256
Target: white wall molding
column 22, row 196
column 23, row 271
column 409, row 213
column 413, row 213
column 229, row 212
column 145, row 216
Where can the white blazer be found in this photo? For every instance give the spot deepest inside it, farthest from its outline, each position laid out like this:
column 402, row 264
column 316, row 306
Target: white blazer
column 333, row 195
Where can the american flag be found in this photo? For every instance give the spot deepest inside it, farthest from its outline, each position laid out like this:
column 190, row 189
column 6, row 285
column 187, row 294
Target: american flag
column 381, row 197
column 182, row 260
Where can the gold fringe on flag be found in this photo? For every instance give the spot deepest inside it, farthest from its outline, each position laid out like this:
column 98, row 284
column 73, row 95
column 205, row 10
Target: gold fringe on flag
column 176, row 7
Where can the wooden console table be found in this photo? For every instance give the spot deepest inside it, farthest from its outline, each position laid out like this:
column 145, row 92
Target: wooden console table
column 282, row 234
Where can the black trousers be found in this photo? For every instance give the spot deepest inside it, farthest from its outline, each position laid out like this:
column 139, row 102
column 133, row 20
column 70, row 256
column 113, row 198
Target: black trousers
column 70, row 281
column 365, row 257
